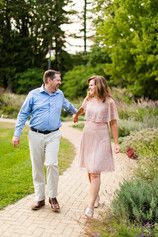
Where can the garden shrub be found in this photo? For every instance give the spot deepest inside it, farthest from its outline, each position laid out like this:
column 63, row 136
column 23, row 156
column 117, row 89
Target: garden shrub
column 121, row 95
column 9, row 112
column 137, row 201
column 127, row 126
column 10, row 104
column 150, row 120
column 144, row 142
column 147, row 169
column 110, row 225
column 139, row 111
column 28, row 80
column 132, row 111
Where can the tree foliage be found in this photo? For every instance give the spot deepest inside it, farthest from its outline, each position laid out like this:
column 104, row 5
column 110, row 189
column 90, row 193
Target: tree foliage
column 31, row 78
column 128, row 32
column 28, row 29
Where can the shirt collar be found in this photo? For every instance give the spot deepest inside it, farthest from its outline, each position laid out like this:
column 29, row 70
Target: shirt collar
column 42, row 89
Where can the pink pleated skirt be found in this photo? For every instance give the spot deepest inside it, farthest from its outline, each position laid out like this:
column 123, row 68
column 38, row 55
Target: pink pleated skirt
column 95, row 150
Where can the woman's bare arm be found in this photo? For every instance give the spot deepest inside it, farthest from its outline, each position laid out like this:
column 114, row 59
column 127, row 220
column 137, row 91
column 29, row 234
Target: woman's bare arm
column 114, row 129
column 79, row 112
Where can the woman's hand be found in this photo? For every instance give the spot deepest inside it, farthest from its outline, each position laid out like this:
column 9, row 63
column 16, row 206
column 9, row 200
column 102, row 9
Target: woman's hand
column 79, row 112
column 75, row 118
column 116, row 148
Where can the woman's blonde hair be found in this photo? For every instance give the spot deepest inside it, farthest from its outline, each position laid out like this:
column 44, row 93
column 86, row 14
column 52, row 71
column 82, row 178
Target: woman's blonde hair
column 102, row 91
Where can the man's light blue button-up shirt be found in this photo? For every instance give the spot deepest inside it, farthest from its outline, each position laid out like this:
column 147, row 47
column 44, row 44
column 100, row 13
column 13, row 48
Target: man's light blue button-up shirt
column 44, row 110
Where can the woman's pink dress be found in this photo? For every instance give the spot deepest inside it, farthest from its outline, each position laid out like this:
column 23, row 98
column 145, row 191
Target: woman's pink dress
column 95, row 149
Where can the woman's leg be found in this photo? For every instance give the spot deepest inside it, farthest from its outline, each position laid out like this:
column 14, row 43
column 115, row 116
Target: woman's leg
column 96, row 204
column 94, row 188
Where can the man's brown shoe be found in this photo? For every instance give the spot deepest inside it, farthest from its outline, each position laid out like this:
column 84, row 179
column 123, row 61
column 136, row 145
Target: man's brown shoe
column 54, row 204
column 38, row 205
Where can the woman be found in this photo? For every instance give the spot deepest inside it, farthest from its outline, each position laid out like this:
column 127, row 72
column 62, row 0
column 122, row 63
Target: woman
column 95, row 150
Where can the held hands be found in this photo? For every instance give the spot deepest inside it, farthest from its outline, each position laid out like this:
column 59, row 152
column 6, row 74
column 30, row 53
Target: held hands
column 78, row 113
column 75, row 118
column 116, row 148
column 15, row 141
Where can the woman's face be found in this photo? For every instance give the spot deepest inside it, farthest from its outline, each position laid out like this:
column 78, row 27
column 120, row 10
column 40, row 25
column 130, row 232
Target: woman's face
column 92, row 87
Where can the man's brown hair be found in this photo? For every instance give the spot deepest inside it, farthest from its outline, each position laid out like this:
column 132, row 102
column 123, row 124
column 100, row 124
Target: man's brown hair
column 49, row 74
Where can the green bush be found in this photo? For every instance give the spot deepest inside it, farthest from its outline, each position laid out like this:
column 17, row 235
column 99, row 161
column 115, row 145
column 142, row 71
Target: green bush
column 97, row 56
column 75, row 81
column 10, row 104
column 28, row 80
column 127, row 126
column 150, row 120
column 137, row 201
column 147, row 169
column 110, row 225
column 9, row 112
column 145, row 143
column 121, row 95
column 130, row 125
column 139, row 111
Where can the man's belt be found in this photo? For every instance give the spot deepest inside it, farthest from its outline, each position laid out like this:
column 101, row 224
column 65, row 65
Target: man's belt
column 43, row 132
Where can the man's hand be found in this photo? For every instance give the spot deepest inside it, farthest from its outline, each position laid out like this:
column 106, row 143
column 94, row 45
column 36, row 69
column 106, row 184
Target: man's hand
column 75, row 118
column 15, row 141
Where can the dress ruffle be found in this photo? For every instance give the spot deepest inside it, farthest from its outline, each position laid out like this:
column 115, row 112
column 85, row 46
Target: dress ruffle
column 100, row 112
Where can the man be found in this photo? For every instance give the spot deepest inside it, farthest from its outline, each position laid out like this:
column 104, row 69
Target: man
column 44, row 105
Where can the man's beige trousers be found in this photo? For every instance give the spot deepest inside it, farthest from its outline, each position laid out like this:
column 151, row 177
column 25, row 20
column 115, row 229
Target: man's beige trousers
column 44, row 152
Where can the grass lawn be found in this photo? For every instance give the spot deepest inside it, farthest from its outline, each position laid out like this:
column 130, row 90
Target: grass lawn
column 15, row 165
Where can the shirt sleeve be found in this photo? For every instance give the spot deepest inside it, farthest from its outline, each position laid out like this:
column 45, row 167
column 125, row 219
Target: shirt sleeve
column 112, row 111
column 70, row 108
column 23, row 115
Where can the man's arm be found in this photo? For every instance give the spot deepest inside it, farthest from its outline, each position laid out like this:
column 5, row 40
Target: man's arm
column 70, row 108
column 21, row 119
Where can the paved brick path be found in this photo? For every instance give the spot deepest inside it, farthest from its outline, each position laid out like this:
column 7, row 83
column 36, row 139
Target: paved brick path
column 18, row 220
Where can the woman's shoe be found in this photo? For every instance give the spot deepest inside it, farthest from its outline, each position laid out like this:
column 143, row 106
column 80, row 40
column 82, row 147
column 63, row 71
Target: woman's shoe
column 88, row 212
column 96, row 204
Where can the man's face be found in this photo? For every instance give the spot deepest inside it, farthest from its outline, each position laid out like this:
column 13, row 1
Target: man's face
column 55, row 83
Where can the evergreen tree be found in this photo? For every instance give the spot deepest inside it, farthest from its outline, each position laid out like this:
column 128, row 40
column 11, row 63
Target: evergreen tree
column 28, row 29
column 84, row 19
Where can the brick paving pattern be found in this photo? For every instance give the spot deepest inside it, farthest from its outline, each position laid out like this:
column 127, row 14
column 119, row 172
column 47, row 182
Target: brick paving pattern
column 18, row 220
